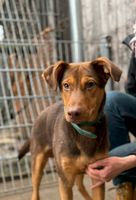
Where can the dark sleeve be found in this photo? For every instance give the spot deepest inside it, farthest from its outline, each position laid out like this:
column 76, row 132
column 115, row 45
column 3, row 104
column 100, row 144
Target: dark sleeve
column 130, row 86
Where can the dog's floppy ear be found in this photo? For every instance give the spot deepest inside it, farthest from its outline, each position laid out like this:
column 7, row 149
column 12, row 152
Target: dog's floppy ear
column 110, row 69
column 53, row 74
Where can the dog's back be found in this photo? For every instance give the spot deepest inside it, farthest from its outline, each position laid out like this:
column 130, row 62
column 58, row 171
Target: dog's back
column 43, row 128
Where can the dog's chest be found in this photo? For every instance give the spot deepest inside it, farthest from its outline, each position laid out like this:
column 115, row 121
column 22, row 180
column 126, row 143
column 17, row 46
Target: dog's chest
column 73, row 156
column 75, row 164
column 72, row 151
column 74, row 147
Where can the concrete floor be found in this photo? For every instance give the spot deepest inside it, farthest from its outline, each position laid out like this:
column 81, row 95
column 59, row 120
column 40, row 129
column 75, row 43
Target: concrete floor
column 52, row 193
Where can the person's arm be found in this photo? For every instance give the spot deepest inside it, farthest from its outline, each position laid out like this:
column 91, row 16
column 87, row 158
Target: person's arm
column 108, row 168
column 130, row 85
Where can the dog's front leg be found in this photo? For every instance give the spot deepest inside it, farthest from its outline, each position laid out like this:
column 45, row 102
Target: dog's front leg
column 65, row 189
column 81, row 187
column 98, row 193
column 67, row 177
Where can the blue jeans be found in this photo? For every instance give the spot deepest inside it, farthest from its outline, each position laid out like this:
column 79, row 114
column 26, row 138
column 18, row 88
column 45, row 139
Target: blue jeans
column 120, row 109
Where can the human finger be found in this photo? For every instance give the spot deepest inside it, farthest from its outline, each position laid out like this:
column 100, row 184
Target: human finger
column 98, row 164
column 97, row 184
column 93, row 173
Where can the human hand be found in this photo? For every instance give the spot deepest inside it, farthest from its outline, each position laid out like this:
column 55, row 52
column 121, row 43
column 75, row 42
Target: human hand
column 107, row 169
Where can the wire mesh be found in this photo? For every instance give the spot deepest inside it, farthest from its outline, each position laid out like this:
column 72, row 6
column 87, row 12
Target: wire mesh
column 27, row 46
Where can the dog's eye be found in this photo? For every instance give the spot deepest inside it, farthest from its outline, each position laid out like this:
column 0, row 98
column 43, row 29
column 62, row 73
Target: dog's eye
column 66, row 86
column 89, row 85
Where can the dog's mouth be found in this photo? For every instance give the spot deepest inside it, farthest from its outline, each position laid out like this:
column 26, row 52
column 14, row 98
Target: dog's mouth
column 75, row 117
column 75, row 120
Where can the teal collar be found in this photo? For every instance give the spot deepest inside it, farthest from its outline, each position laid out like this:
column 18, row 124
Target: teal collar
column 83, row 132
column 87, row 123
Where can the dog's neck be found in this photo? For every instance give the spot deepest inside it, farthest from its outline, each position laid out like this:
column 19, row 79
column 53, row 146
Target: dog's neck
column 87, row 133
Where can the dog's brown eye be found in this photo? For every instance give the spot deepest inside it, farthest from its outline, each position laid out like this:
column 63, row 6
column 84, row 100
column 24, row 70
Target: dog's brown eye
column 90, row 85
column 66, row 86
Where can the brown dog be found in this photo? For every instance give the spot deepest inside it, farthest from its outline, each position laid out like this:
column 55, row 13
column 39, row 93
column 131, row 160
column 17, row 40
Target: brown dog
column 73, row 131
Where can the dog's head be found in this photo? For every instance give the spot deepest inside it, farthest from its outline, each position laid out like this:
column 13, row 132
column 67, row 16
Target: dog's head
column 82, row 86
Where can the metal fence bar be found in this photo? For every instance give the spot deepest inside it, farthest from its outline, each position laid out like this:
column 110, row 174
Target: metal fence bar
column 26, row 54
column 11, row 174
column 5, row 58
column 3, row 178
column 27, row 64
column 20, row 174
column 28, row 170
column 20, row 63
column 40, row 59
column 4, row 95
column 42, row 40
column 24, row 50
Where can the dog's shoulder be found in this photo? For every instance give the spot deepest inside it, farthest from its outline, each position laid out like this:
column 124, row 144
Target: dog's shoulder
column 51, row 110
column 48, row 116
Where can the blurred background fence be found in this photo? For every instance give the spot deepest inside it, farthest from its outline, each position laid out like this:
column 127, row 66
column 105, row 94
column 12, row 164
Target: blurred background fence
column 28, row 44
column 33, row 35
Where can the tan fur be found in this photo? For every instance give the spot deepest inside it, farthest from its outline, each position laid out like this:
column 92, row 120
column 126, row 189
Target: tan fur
column 82, row 90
